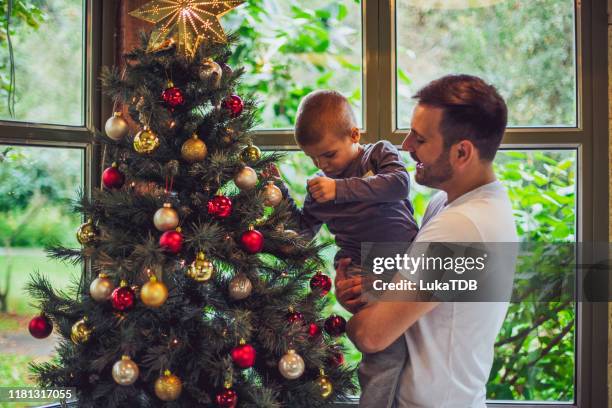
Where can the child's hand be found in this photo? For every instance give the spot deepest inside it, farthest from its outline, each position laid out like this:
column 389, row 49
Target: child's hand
column 322, row 189
column 271, row 172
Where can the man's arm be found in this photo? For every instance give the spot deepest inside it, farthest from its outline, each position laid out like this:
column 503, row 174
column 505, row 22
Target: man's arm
column 390, row 183
column 377, row 325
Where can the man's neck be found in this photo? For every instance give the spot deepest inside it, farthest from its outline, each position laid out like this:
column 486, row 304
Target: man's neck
column 478, row 178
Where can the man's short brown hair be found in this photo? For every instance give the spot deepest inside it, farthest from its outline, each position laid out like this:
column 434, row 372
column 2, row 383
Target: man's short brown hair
column 473, row 110
column 322, row 112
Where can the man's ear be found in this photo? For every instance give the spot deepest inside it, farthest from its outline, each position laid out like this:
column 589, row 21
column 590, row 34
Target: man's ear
column 465, row 150
column 355, row 135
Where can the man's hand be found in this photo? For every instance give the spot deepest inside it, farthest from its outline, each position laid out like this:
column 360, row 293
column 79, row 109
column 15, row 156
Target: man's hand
column 322, row 189
column 348, row 289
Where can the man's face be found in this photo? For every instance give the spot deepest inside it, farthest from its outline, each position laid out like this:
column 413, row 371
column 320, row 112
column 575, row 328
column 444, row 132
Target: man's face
column 333, row 153
column 426, row 147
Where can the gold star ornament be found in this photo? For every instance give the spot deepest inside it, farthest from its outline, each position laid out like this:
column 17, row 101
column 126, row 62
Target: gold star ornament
column 185, row 22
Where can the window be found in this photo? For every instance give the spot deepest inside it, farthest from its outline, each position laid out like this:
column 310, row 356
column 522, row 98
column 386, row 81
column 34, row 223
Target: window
column 534, row 356
column 36, row 184
column 290, row 49
column 46, row 154
column 544, row 58
column 525, row 48
column 48, row 53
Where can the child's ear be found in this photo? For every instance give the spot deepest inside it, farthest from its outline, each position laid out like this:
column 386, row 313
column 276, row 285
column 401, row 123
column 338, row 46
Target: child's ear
column 355, row 135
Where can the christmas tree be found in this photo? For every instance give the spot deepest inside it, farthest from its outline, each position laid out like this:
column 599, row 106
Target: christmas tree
column 196, row 291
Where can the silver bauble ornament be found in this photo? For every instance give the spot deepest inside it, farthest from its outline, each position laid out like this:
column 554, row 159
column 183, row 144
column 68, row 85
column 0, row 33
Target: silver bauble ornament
column 125, row 371
column 291, row 365
column 240, row 287
column 246, row 179
column 116, row 127
column 272, row 195
column 101, row 288
column 211, row 72
column 166, row 218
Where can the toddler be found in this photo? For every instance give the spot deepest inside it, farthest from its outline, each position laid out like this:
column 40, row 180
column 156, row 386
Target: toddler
column 361, row 194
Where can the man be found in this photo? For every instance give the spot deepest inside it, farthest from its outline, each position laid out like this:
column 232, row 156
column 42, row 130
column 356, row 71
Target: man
column 457, row 127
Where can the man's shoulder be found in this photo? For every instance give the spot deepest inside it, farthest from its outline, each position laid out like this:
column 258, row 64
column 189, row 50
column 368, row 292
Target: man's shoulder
column 436, row 204
column 485, row 215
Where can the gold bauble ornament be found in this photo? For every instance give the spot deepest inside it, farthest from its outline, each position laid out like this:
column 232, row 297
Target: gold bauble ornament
column 240, row 287
column 211, row 72
column 325, row 386
column 80, row 332
column 246, row 179
column 166, row 218
column 116, row 127
column 250, row 154
column 201, row 270
column 101, row 288
column 272, row 195
column 125, row 371
column 146, row 141
column 291, row 365
column 194, row 149
column 168, row 387
column 154, row 293
column 86, row 233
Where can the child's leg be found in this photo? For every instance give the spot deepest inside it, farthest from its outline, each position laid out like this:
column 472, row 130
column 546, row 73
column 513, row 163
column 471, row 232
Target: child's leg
column 379, row 375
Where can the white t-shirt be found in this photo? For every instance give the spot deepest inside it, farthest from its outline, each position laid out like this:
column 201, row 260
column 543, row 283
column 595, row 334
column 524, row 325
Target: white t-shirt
column 451, row 347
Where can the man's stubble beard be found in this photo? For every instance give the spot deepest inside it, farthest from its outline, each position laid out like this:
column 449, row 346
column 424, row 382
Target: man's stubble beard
column 437, row 173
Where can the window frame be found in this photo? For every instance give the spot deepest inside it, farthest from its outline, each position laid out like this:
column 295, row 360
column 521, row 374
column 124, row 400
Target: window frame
column 589, row 138
column 98, row 50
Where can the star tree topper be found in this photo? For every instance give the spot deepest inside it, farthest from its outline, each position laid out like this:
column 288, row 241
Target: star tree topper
column 185, row 22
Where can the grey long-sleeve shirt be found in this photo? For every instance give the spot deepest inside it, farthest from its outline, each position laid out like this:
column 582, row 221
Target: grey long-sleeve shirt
column 371, row 203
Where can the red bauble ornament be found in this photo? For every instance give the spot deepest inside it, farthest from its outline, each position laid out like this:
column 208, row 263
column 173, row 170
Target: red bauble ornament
column 244, row 355
column 320, row 283
column 335, row 359
column 314, row 330
column 173, row 96
column 220, row 206
column 234, row 104
column 252, row 241
column 171, row 241
column 335, row 325
column 295, row 317
column 227, row 399
column 40, row 326
column 112, row 177
column 122, row 297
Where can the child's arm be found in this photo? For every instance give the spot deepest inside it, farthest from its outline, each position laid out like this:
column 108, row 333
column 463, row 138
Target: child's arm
column 390, row 183
column 308, row 225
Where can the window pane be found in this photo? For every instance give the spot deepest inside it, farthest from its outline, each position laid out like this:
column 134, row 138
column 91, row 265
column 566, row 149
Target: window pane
column 47, row 38
column 291, row 48
column 525, row 48
column 534, row 358
column 35, row 187
column 535, row 355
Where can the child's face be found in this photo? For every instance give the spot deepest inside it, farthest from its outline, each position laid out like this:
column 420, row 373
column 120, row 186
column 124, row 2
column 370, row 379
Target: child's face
column 333, row 153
